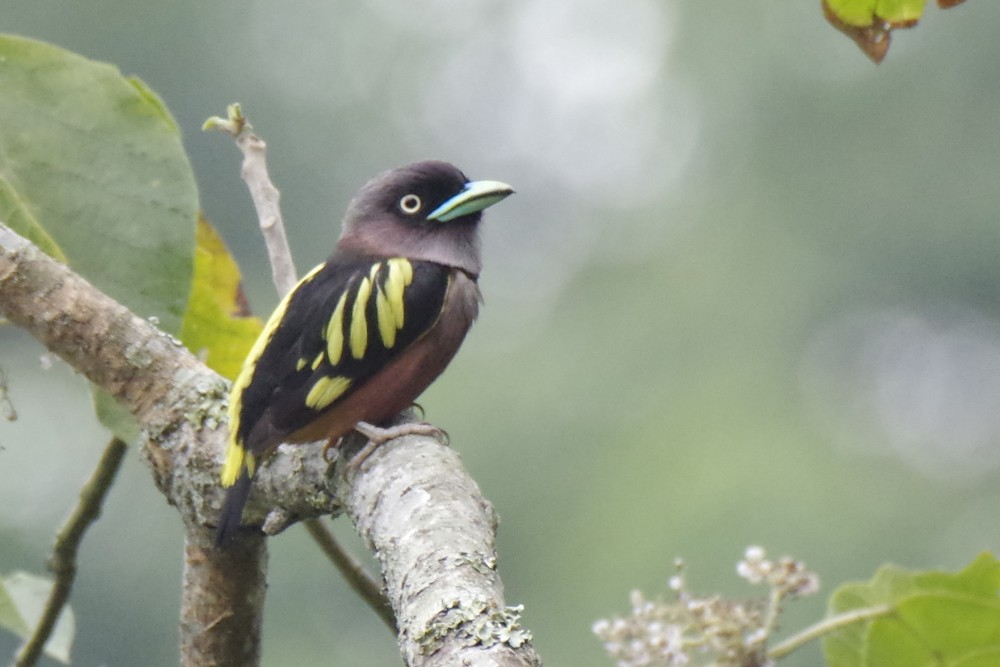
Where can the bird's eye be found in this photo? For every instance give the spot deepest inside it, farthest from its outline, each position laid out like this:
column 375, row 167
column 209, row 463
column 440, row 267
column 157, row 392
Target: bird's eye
column 410, row 204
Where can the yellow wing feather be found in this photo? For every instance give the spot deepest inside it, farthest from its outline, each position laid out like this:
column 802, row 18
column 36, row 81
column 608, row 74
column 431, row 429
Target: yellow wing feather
column 326, row 390
column 359, row 325
column 237, row 458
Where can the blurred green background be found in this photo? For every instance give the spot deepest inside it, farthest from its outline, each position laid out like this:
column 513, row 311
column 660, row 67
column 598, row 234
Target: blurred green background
column 746, row 293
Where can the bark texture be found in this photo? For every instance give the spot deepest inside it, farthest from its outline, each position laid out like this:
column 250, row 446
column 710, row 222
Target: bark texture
column 433, row 533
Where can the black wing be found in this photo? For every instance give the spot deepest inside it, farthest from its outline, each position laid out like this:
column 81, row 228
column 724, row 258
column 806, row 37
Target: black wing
column 341, row 324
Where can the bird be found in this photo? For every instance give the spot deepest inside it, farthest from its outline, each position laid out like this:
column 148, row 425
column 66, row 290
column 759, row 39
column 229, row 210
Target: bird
column 363, row 334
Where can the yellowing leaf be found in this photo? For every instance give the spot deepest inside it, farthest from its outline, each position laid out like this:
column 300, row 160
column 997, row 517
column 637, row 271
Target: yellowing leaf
column 217, row 325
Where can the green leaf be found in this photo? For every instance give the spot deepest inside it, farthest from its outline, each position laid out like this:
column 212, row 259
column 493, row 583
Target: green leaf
column 899, row 11
column 92, row 164
column 28, row 594
column 93, row 171
column 862, row 13
column 936, row 618
column 217, row 326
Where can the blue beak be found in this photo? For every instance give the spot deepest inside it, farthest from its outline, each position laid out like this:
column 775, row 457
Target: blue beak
column 476, row 196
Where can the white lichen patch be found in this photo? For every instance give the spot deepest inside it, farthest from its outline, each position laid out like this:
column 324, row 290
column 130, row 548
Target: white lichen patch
column 476, row 623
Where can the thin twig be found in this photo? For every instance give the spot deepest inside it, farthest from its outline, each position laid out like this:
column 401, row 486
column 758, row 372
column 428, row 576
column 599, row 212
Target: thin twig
column 63, row 561
column 825, row 627
column 358, row 578
column 265, row 196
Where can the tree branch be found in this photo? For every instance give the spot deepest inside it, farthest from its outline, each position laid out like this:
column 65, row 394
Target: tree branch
column 432, row 531
column 222, row 601
column 179, row 401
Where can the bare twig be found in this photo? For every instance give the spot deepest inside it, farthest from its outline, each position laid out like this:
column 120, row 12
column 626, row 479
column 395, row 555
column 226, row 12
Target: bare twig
column 265, row 196
column 63, row 561
column 358, row 578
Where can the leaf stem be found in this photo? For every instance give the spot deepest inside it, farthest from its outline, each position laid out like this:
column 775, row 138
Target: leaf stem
column 825, row 627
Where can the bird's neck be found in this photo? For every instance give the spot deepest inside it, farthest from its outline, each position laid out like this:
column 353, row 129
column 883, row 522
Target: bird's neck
column 456, row 246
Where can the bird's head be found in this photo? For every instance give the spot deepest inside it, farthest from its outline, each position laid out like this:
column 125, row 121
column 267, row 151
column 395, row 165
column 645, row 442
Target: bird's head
column 425, row 210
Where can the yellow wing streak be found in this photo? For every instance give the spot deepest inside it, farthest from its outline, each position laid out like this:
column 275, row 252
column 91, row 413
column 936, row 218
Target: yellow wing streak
column 326, row 391
column 400, row 276
column 359, row 326
column 335, row 332
column 406, row 268
column 386, row 318
column 318, row 360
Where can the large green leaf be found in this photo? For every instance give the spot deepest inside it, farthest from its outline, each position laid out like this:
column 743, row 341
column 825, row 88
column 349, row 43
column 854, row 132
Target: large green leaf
column 935, row 618
column 92, row 167
column 93, row 171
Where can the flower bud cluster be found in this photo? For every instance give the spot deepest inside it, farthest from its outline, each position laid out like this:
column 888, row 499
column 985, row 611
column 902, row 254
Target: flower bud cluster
column 687, row 630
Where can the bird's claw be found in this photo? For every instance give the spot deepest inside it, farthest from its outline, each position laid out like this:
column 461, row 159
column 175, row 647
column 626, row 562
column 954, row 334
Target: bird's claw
column 377, row 436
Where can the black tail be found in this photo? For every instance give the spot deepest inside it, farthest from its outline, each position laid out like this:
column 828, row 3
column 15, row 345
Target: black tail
column 232, row 511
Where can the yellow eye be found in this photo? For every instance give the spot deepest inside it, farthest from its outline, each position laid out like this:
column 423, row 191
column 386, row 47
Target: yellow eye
column 410, row 204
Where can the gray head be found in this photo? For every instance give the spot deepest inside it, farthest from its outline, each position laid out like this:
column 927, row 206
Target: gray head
column 425, row 210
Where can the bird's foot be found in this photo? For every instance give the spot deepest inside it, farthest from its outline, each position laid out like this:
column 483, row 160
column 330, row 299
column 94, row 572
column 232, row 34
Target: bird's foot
column 377, row 435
